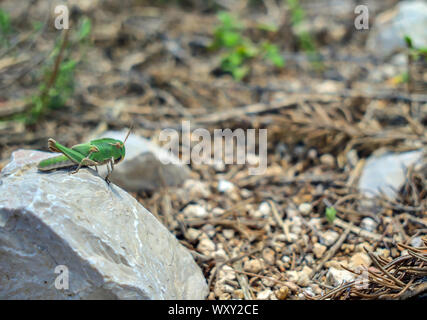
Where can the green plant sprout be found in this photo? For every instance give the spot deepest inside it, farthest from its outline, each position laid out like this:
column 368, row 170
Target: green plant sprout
column 330, row 214
column 239, row 49
column 305, row 40
column 5, row 28
column 58, row 85
column 415, row 52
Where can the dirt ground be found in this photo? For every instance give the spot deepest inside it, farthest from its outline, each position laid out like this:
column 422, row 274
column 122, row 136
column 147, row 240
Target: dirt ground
column 263, row 236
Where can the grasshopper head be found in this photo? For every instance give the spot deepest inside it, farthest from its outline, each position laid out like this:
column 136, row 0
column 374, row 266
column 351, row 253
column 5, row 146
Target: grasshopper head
column 120, row 151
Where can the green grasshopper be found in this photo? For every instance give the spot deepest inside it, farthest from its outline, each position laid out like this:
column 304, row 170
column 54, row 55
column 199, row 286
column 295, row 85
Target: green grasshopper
column 94, row 153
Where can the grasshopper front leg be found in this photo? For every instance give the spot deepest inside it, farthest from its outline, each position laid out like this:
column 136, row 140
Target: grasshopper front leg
column 111, row 162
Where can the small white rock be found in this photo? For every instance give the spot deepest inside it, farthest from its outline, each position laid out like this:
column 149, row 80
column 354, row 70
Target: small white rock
column 220, row 255
column 263, row 211
column 206, row 246
column 225, row 186
column 228, row 233
column 360, row 259
column 335, row 277
column 218, row 211
column 328, row 160
column 226, row 273
column 368, row 224
column 197, row 189
column 219, row 166
column 417, row 242
column 264, row 295
column 329, row 237
column 319, row 250
column 193, row 234
column 286, row 259
column 254, row 265
column 305, row 208
column 195, row 211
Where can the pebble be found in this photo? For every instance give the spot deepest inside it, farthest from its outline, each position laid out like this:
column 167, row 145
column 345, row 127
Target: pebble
column 360, row 259
column 264, row 209
column 302, row 278
column 226, row 273
column 225, row 186
column 293, row 237
column 217, row 212
column 336, row 277
column 328, row 160
column 238, row 294
column 385, row 253
column 264, row 295
column 197, row 189
column 206, row 246
column 315, row 222
column 219, row 166
column 286, row 259
column 417, row 242
column 228, row 233
column 268, row 282
column 329, row 237
column 352, row 158
column 193, row 234
column 305, row 208
column 362, row 246
column 220, row 255
column 225, row 296
column 312, row 154
column 245, row 193
column 282, row 293
column 319, row 250
column 209, row 230
column 291, row 212
column 254, row 265
column 195, row 211
column 268, row 255
column 309, row 259
column 309, row 291
column 369, row 224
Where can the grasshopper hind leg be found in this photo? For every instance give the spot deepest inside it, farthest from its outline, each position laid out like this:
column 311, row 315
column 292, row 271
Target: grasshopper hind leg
column 85, row 162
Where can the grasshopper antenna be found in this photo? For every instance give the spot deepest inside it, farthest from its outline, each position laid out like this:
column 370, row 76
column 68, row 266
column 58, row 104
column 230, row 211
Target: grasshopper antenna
column 130, row 129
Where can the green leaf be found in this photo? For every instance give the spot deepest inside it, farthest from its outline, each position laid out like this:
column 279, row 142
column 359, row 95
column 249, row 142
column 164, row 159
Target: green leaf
column 272, row 54
column 85, row 29
column 331, row 214
column 229, row 21
column 268, row 27
column 240, row 72
column 5, row 25
column 230, row 39
column 408, row 41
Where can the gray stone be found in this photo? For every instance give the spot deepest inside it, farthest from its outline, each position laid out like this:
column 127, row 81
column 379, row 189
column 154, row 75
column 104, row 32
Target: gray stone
column 386, row 173
column 112, row 247
column 390, row 27
column 146, row 166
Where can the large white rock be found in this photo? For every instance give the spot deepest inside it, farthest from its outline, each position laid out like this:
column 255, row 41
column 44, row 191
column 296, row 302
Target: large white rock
column 390, row 27
column 387, row 173
column 146, row 166
column 112, row 246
